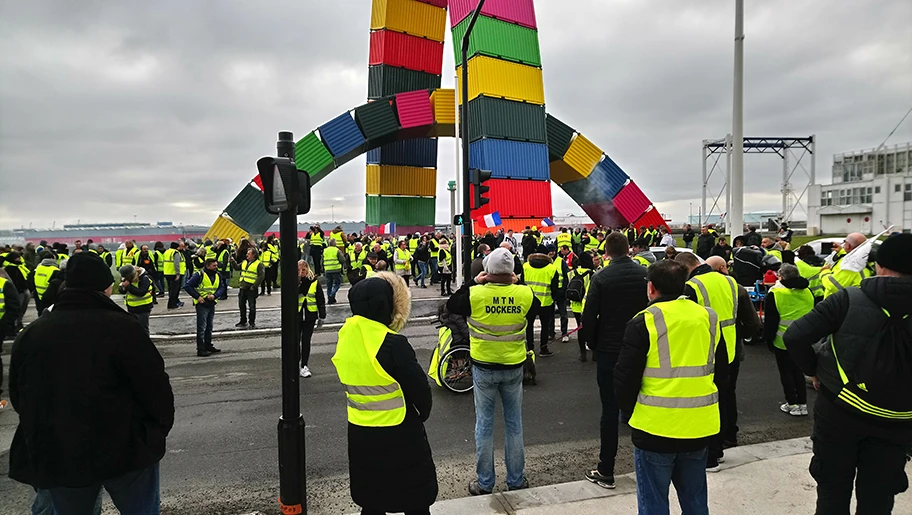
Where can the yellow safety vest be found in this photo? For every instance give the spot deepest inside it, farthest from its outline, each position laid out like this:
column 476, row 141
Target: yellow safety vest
column 135, row 301
column 316, row 239
column 398, row 254
column 641, row 260
column 497, row 325
column 157, row 258
column 369, row 270
column 168, row 264
column 210, row 252
column 375, row 399
column 413, row 245
column 564, row 238
column 207, row 287
column 677, row 397
column 812, row 274
column 43, row 275
column 331, row 259
column 586, row 274
column 2, row 298
column 720, row 292
column 791, row 304
column 356, row 259
column 838, row 279
column 592, row 245
column 309, row 300
column 61, row 257
column 434, row 246
column 539, row 279
column 104, row 256
column 273, row 253
column 776, row 253
column 266, row 257
column 249, row 271
column 447, row 258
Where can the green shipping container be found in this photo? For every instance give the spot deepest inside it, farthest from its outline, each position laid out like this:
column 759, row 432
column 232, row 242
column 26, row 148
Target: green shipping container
column 500, row 39
column 384, row 80
column 377, row 120
column 312, row 156
column 403, row 211
column 559, row 137
column 505, row 119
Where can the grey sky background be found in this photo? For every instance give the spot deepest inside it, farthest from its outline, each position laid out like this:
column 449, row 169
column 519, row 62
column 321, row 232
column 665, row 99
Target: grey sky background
column 160, row 109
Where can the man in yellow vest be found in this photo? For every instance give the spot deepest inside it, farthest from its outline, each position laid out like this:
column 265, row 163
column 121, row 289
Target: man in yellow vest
column 839, row 276
column 564, row 238
column 787, row 301
column 252, row 274
column 810, row 267
column 205, row 288
column 719, row 292
column 333, row 264
column 124, row 256
column 498, row 312
column 10, row 313
column 664, row 382
column 174, row 267
column 136, row 285
column 40, row 278
column 540, row 274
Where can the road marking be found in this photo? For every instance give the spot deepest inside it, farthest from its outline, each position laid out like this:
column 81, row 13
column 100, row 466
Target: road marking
column 261, row 310
column 256, row 332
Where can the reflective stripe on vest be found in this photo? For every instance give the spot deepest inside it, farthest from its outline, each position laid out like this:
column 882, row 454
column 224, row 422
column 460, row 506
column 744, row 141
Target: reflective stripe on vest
column 316, row 239
column 497, row 324
column 720, row 293
column 839, row 279
column 791, row 304
column 564, row 239
column 413, row 245
column 249, row 271
column 168, row 265
column 677, row 397
column 403, row 255
column 309, row 300
column 331, row 259
column 206, row 286
column 43, row 275
column 539, row 279
column 375, row 399
column 210, row 252
column 135, row 301
column 273, row 253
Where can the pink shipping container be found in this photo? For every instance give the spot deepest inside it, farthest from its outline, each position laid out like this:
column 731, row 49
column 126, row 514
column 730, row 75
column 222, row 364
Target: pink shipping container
column 515, row 198
column 438, row 3
column 651, row 217
column 414, row 109
column 605, row 213
column 406, row 51
column 520, row 12
column 631, row 202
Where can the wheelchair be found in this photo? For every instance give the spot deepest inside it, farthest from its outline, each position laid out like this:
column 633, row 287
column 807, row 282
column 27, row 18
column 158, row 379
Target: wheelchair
column 451, row 366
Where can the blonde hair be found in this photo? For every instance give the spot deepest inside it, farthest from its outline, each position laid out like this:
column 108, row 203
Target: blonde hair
column 309, row 274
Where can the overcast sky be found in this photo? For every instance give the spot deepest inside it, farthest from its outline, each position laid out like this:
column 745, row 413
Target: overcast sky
column 160, row 109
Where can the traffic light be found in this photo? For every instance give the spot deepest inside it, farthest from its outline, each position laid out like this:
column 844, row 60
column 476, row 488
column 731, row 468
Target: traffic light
column 285, row 187
column 457, row 220
column 478, row 178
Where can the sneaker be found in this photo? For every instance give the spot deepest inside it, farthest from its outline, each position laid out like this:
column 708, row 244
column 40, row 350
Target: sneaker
column 522, row 486
column 476, row 489
column 203, row 353
column 582, row 357
column 594, row 476
column 787, row 408
column 240, row 324
column 713, row 466
column 251, row 326
column 305, row 372
column 803, row 410
column 545, row 352
column 213, row 350
column 565, row 339
column 180, row 304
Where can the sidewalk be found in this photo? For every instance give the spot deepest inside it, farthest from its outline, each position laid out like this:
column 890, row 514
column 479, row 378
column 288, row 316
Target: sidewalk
column 765, row 478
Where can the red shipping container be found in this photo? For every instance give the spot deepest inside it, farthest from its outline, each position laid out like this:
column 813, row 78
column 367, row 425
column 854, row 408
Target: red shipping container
column 631, row 202
column 414, row 109
column 516, row 198
column 517, row 224
column 520, row 12
column 406, row 51
column 258, row 181
column 438, row 3
column 401, row 231
column 605, row 213
column 651, row 217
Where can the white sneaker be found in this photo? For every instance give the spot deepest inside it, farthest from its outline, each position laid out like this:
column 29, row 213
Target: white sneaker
column 565, row 339
column 788, row 408
column 305, row 372
column 803, row 410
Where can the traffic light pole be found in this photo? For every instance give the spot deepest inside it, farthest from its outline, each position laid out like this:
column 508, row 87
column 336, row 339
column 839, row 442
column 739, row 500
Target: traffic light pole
column 464, row 131
column 292, row 479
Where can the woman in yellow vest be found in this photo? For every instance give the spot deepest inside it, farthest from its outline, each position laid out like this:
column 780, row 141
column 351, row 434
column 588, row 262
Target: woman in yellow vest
column 136, row 285
column 311, row 308
column 390, row 464
column 582, row 268
column 402, row 258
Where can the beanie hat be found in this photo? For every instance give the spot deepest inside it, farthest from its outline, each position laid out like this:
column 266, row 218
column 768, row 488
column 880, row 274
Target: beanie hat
column 895, row 253
column 127, row 271
column 500, row 261
column 87, row 271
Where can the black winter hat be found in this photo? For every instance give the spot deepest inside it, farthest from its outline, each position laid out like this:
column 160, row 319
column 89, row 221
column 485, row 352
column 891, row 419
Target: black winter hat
column 87, row 271
column 895, row 253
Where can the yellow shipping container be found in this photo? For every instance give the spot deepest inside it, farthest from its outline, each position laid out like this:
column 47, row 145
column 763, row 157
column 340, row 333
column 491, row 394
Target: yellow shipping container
column 411, row 181
column 497, row 78
column 583, row 155
column 561, row 172
column 225, row 228
column 443, row 103
column 409, row 16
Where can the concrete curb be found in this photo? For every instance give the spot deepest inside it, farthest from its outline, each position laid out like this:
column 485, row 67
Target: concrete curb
column 561, row 494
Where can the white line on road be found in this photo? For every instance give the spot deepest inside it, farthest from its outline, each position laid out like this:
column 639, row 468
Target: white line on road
column 256, row 332
column 261, row 310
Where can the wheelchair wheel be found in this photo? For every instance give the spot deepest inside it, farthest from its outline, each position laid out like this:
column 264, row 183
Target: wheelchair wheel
column 455, row 370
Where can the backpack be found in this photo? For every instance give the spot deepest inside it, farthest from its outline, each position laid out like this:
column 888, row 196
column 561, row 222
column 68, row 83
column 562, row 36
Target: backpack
column 576, row 288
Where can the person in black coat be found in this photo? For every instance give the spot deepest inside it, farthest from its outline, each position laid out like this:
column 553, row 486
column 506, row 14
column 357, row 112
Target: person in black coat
column 391, row 468
column 93, row 412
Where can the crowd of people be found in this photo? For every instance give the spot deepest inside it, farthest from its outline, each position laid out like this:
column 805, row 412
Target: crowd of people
column 665, row 326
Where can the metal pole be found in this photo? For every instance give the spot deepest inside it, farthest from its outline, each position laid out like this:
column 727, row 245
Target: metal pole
column 814, row 160
column 292, row 479
column 785, row 183
column 466, row 179
column 703, row 204
column 728, row 178
column 460, row 185
column 737, row 179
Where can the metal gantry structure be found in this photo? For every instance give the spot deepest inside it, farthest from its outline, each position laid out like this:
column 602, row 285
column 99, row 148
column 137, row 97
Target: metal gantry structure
column 794, row 152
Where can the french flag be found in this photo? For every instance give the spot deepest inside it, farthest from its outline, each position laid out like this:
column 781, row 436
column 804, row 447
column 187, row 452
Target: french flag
column 389, row 228
column 492, row 220
column 547, row 222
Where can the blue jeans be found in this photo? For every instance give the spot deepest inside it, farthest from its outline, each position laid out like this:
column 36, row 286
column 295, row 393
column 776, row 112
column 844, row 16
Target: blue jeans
column 205, row 314
column 333, row 283
column 422, row 272
column 44, row 506
column 508, row 385
column 655, row 471
column 134, row 493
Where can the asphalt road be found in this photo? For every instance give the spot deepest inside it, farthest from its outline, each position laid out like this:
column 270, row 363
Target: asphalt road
column 222, row 452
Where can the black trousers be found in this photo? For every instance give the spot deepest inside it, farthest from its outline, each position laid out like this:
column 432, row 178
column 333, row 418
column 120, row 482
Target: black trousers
column 579, row 334
column 716, row 441
column 272, row 274
column 307, row 331
column 791, row 377
column 546, row 315
column 247, row 298
column 608, row 425
column 561, row 306
column 843, row 457
column 446, row 284
column 174, row 283
column 730, row 432
column 316, row 253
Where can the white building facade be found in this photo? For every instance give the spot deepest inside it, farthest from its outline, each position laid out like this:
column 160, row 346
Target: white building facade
column 871, row 191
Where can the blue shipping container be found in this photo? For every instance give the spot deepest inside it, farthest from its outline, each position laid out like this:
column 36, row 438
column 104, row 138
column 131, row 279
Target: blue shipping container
column 608, row 178
column 510, row 159
column 414, row 152
column 341, row 135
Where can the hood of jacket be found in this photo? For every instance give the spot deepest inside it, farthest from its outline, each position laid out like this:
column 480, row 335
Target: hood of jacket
column 48, row 262
column 647, row 255
column 798, row 283
column 539, row 260
column 890, row 293
column 383, row 298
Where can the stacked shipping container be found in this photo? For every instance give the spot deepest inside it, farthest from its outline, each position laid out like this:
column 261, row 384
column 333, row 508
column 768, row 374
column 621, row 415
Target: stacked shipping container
column 507, row 132
column 406, row 54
